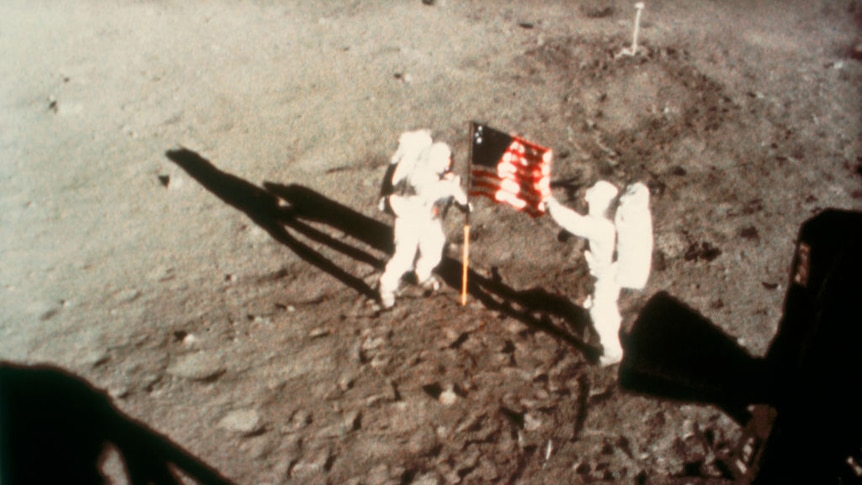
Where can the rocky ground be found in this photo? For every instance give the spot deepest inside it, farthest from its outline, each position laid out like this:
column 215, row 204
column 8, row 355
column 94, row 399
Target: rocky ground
column 188, row 220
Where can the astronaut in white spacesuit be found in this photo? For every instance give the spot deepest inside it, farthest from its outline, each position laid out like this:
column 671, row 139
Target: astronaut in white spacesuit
column 630, row 234
column 421, row 184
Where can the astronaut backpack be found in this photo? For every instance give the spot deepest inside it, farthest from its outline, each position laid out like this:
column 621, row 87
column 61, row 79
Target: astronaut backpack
column 411, row 146
column 634, row 237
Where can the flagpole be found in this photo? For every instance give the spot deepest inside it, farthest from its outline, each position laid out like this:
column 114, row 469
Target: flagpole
column 465, row 262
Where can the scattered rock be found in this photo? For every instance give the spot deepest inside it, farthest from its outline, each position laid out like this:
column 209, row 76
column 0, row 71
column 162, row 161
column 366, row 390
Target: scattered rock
column 388, row 393
column 753, row 206
column 119, row 390
column 469, row 458
column 453, row 337
column 95, row 358
column 582, row 468
column 426, row 479
column 315, row 464
column 406, row 78
column 487, row 471
column 448, row 397
column 160, row 273
column 449, row 474
column 434, row 389
column 352, row 421
column 373, row 343
column 357, row 354
column 260, row 320
column 129, row 131
column 596, row 11
column 689, row 429
column 472, row 423
column 345, row 382
column 292, row 447
column 127, row 295
column 514, row 326
column 198, row 366
column 423, row 442
column 750, row 233
column 243, row 421
column 702, row 251
column 531, row 423
column 257, row 446
column 379, row 475
column 379, row 361
column 300, row 419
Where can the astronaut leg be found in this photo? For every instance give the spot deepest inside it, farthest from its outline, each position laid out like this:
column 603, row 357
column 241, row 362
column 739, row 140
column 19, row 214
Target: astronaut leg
column 606, row 318
column 406, row 242
column 431, row 243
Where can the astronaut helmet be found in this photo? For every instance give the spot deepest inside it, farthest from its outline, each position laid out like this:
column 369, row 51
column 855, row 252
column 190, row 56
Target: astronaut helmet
column 439, row 158
column 636, row 194
column 600, row 196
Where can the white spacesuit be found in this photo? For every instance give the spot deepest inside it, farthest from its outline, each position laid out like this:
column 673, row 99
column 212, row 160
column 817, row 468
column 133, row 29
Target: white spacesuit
column 634, row 237
column 421, row 184
column 631, row 236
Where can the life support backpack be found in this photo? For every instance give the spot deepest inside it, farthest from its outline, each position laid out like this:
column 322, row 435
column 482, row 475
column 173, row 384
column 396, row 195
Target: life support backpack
column 418, row 161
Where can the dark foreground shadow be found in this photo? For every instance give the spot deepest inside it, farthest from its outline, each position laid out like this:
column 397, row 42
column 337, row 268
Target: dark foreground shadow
column 302, row 206
column 54, row 428
column 674, row 352
column 807, row 421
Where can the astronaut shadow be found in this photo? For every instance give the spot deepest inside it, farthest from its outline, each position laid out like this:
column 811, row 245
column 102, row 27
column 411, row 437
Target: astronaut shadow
column 277, row 207
column 305, row 204
column 264, row 209
column 308, row 205
column 55, row 428
column 535, row 307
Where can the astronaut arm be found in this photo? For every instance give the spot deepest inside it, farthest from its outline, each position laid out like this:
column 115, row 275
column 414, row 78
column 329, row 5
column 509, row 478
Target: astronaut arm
column 570, row 220
column 386, row 185
column 450, row 187
column 458, row 193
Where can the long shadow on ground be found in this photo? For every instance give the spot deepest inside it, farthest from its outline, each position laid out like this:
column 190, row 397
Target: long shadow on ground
column 533, row 306
column 54, row 427
column 521, row 304
column 263, row 208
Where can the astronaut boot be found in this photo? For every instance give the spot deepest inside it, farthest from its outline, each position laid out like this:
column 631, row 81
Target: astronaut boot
column 612, row 353
column 387, row 300
column 389, row 282
column 431, row 285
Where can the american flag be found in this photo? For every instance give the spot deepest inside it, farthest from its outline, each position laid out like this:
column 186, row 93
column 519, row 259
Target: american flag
column 510, row 170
